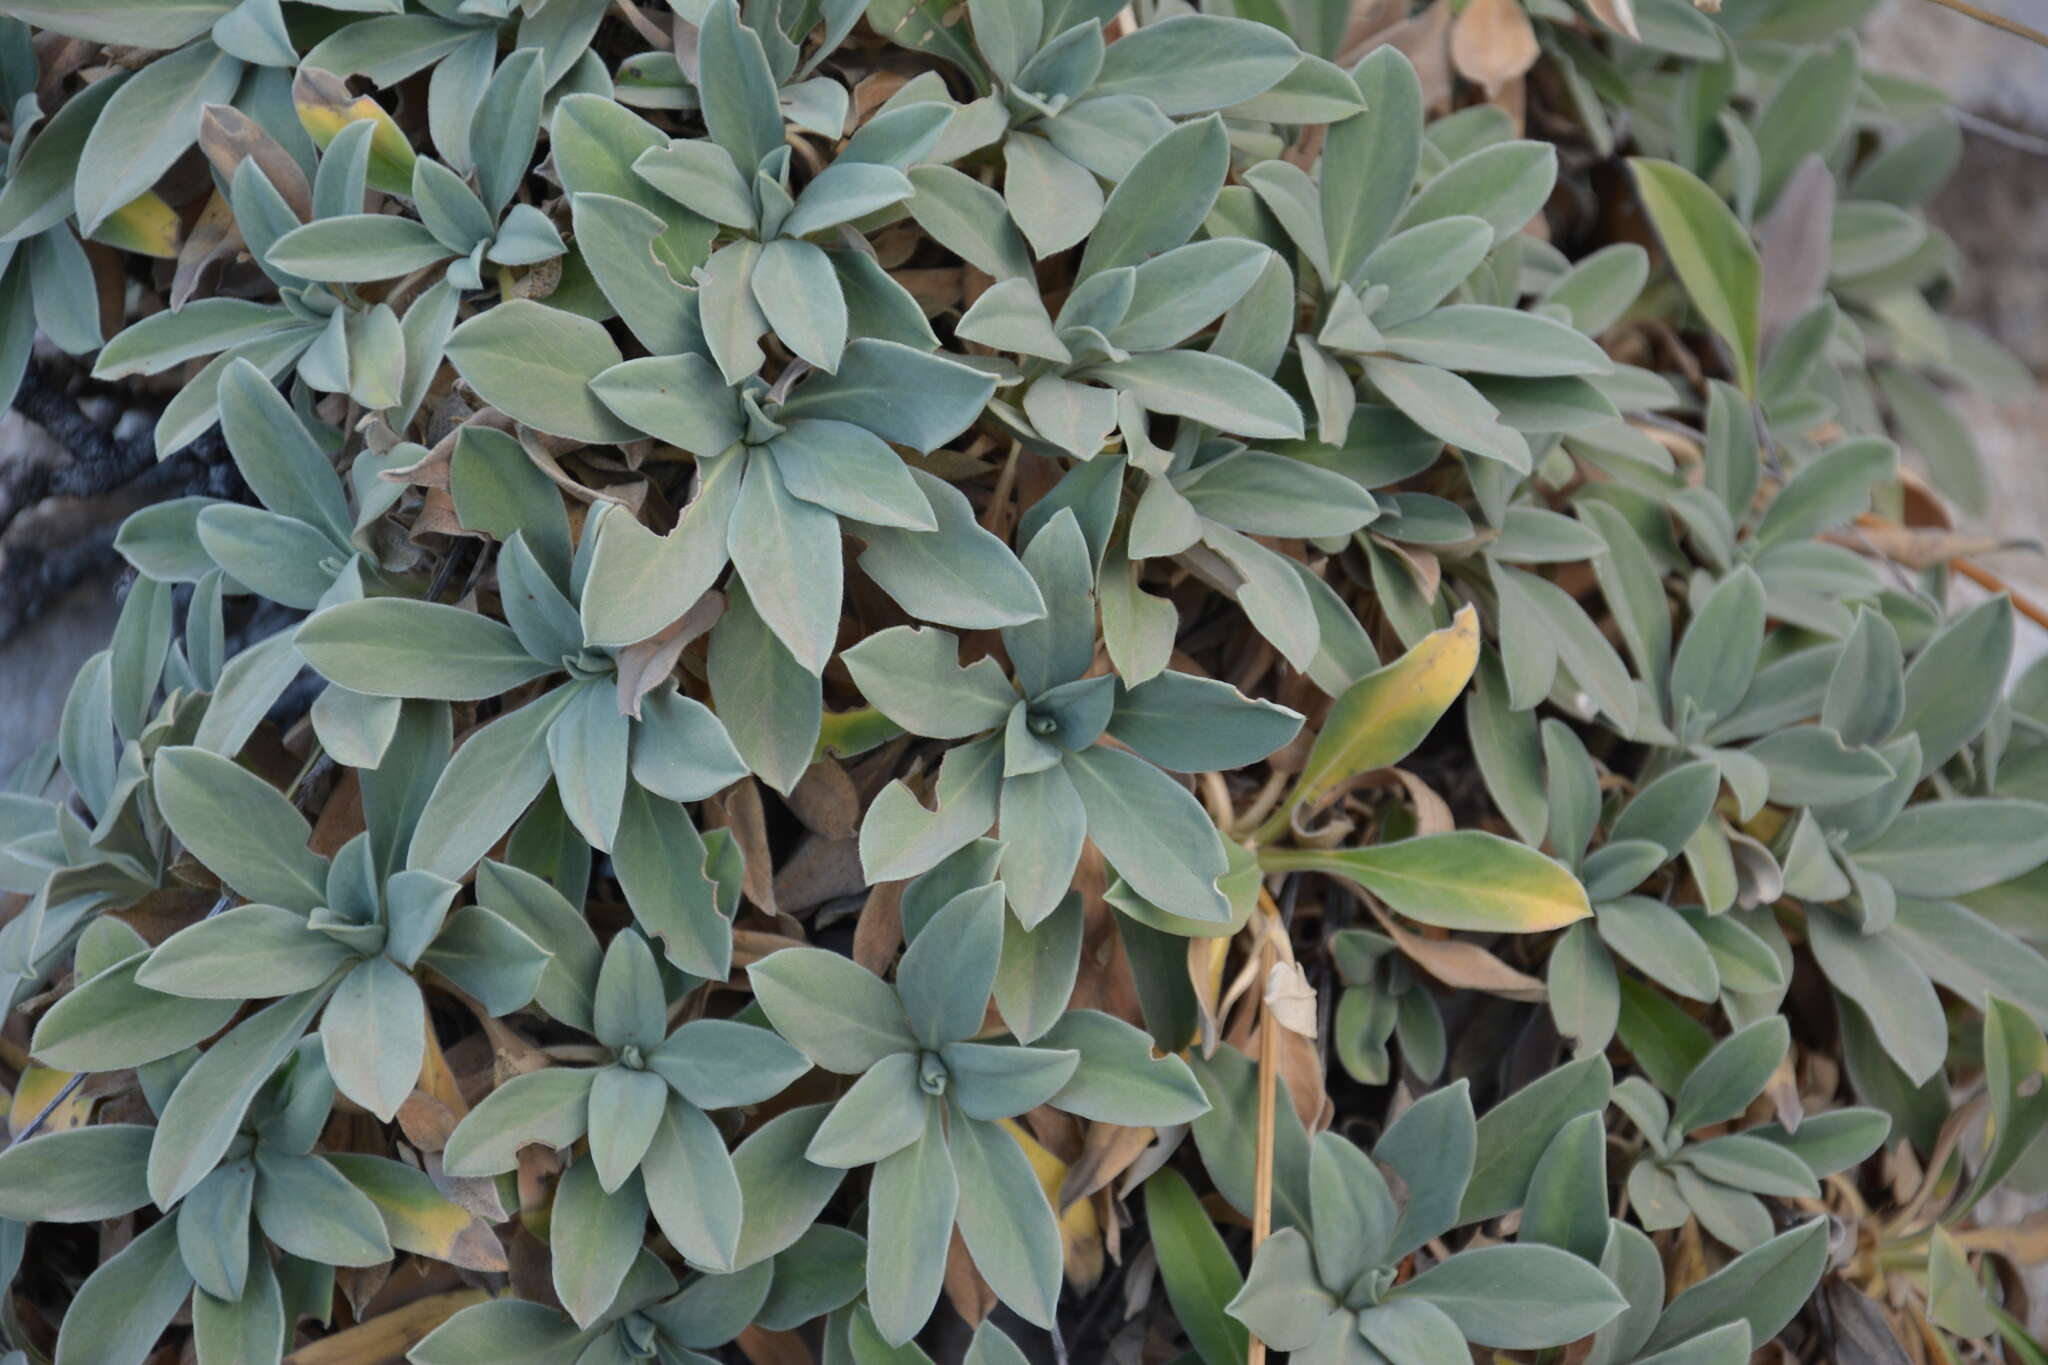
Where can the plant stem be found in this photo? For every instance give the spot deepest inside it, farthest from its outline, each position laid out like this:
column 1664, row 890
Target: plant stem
column 1269, row 1070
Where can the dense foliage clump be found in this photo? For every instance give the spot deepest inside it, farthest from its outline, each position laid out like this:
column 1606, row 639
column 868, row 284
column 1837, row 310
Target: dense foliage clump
column 864, row 768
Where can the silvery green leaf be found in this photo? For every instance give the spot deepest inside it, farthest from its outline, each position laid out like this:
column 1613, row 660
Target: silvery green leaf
column 241, row 827
column 1879, row 973
column 991, row 1081
column 1044, row 826
column 619, row 241
column 1108, row 134
column 1010, row 316
column 449, row 207
column 125, row 1305
column 849, row 470
column 784, row 1193
column 1656, row 939
column 1118, row 1080
column 1953, row 847
column 898, row 135
column 881, row 1114
column 1055, row 200
column 1731, row 1075
column 1190, row 64
column 42, row 179
column 535, row 363
column 1005, row 1219
column 273, row 555
column 1600, row 288
column 594, row 1236
column 525, row 237
column 1506, row 184
column 547, row 1336
column 902, row 395
column 900, row 837
column 1271, row 592
column 485, row 955
column 391, row 646
column 1260, row 493
column 1161, row 200
column 587, row 750
column 1295, row 202
column 913, row 1198
column 1513, row 1134
column 845, row 191
column 1502, row 341
column 1517, row 1296
column 77, row 1175
column 277, row 455
column 631, row 1008
column 213, row 1229
column 1057, row 647
column 692, row 1187
column 1180, row 291
column 1192, row 724
column 1220, row 393
column 1764, row 1287
column 838, row 1013
column 488, row 785
column 1958, row 665
column 969, row 219
column 506, row 124
column 357, row 247
column 633, row 1103
column 1369, row 162
column 912, row 675
column 702, row 177
column 1718, row 654
column 798, row 294
column 549, row 1107
column 250, row 952
column 1283, row 1301
column 788, row 553
column 375, row 1035
column 595, row 142
column 148, row 124
column 1449, row 408
column 741, row 109
column 1353, row 1210
column 958, row 575
column 945, row 977
column 661, row 862
column 199, row 1122
column 1075, row 417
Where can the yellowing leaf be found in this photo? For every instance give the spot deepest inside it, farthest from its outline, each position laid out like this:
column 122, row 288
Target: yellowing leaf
column 418, row 1217
column 1712, row 253
column 325, row 107
column 1382, row 717
column 1464, row 880
column 145, row 225
column 39, row 1085
column 850, row 734
column 1080, row 1230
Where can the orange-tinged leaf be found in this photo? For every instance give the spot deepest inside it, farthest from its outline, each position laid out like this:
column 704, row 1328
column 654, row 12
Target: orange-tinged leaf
column 1463, row 880
column 1382, row 717
column 145, row 225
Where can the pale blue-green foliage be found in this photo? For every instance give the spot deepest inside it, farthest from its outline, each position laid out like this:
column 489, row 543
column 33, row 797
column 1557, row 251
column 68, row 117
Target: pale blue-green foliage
column 999, row 429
